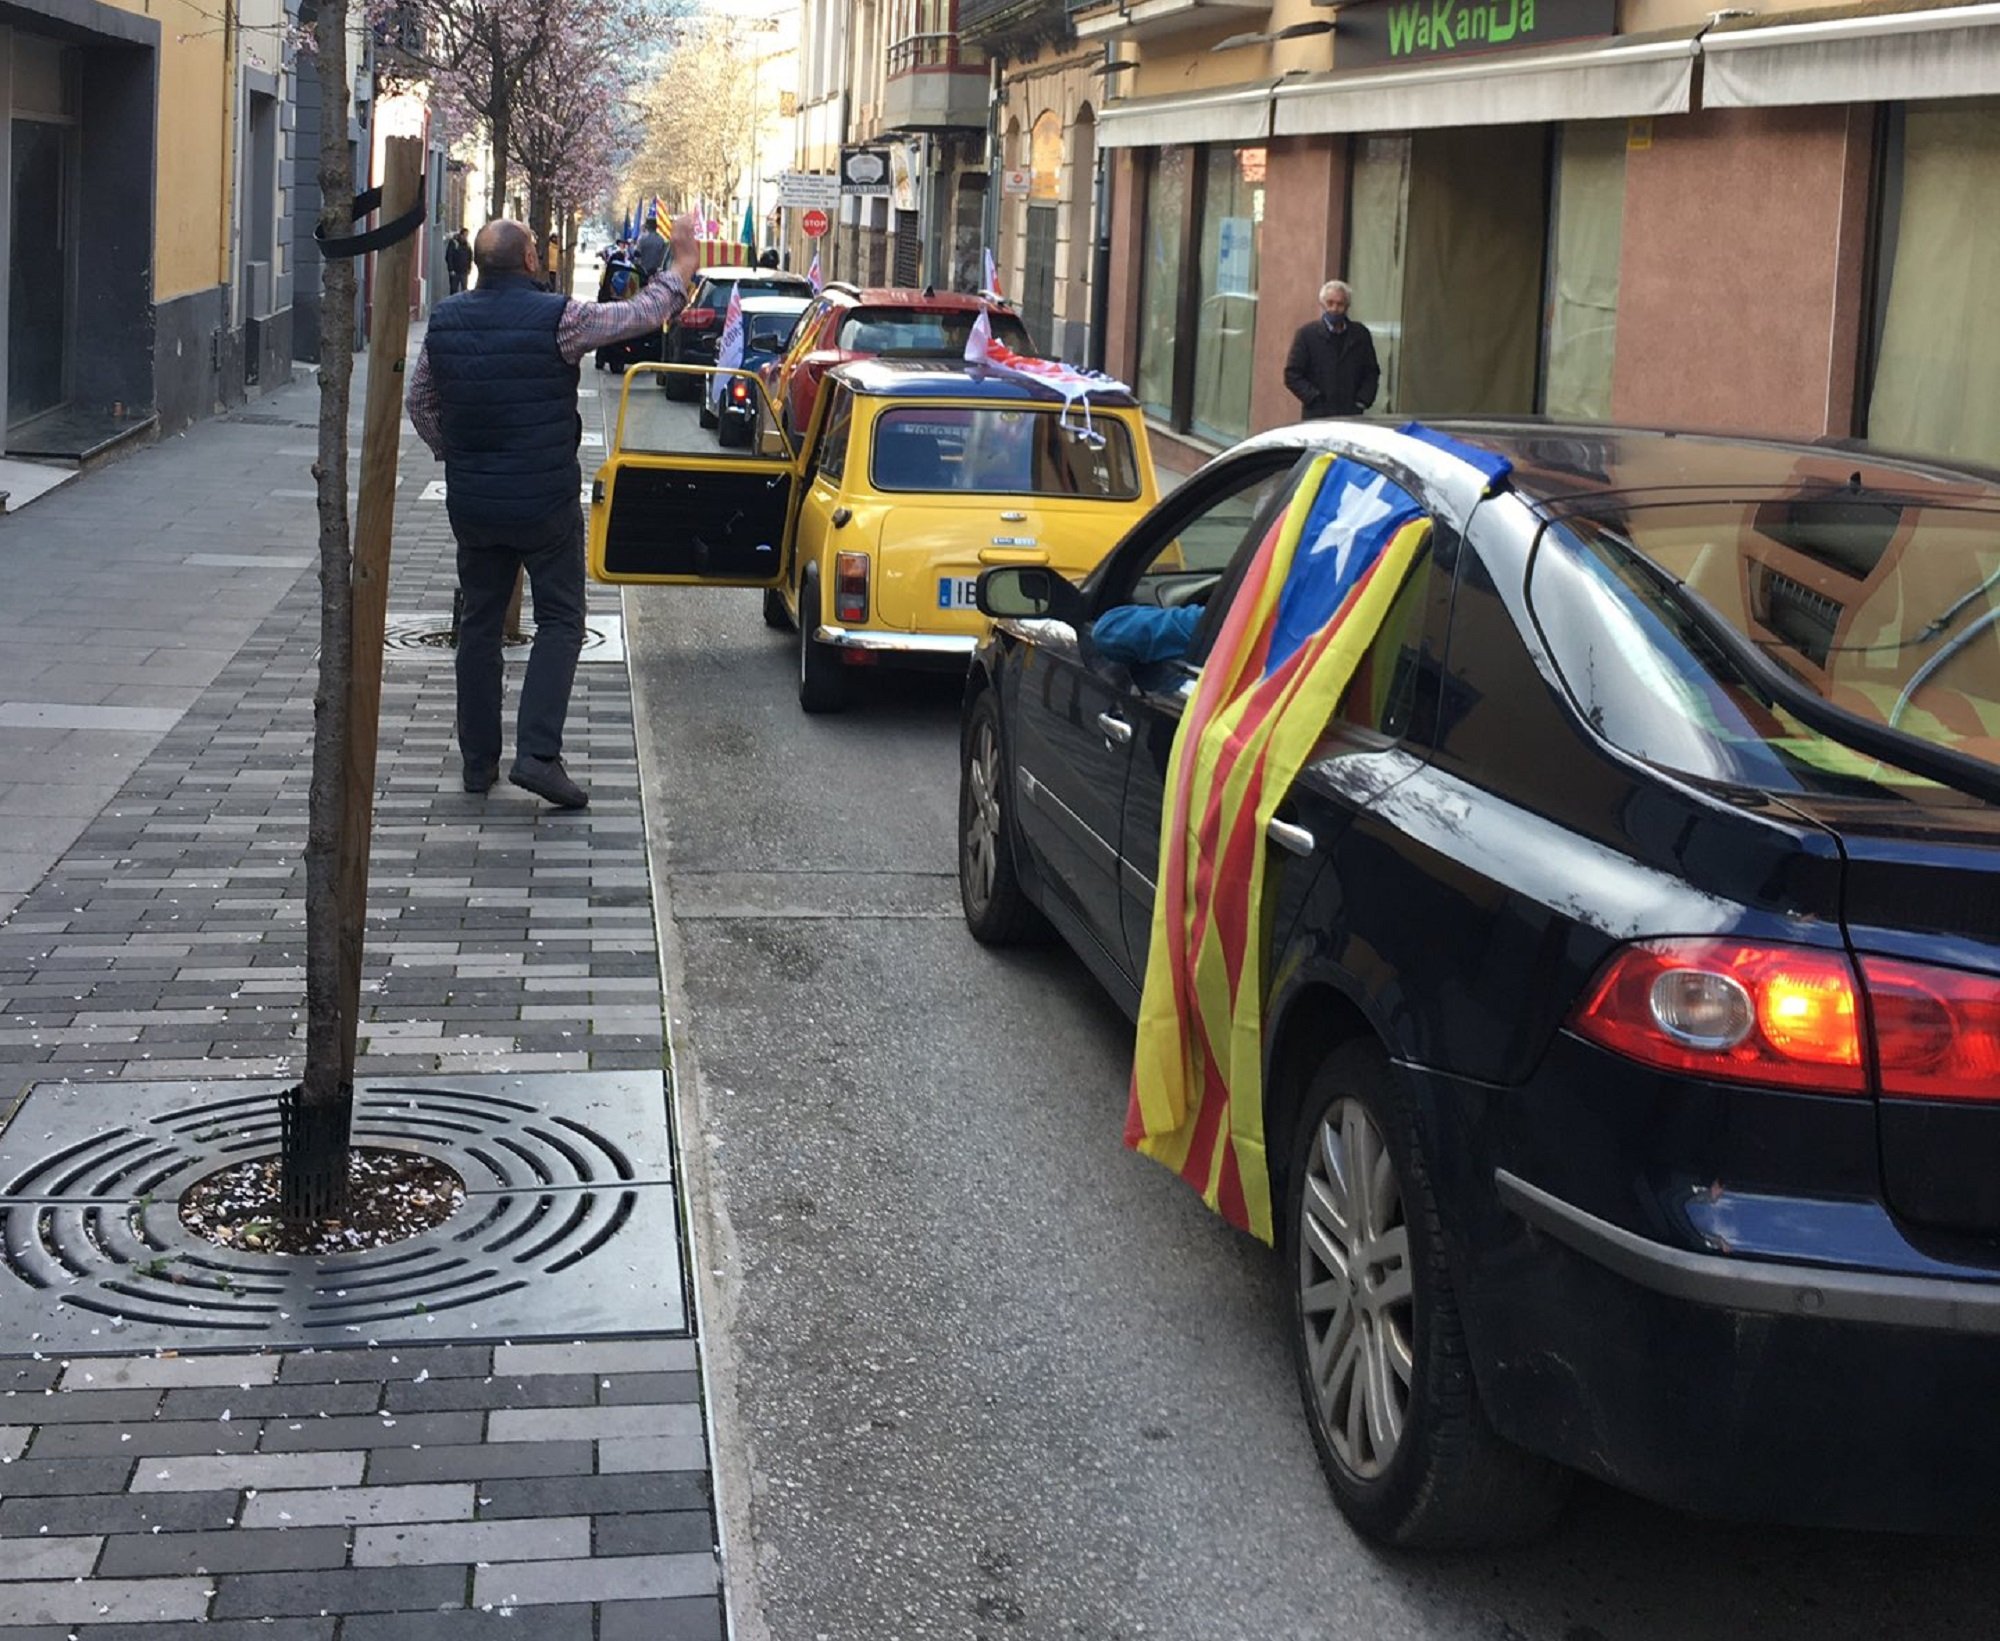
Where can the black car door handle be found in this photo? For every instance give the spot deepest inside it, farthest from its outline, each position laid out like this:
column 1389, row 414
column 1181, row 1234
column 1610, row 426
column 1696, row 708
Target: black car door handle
column 1293, row 838
column 1116, row 730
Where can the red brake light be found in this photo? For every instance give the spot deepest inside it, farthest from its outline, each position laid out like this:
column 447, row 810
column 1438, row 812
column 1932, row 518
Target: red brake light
column 697, row 318
column 850, row 587
column 1937, row 1031
column 739, row 390
column 1719, row 1008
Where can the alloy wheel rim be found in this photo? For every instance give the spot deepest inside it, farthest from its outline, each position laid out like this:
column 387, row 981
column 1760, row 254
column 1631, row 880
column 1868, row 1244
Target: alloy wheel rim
column 982, row 821
column 1356, row 1304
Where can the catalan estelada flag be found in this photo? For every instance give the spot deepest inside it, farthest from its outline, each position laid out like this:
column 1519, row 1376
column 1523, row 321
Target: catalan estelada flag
column 1311, row 604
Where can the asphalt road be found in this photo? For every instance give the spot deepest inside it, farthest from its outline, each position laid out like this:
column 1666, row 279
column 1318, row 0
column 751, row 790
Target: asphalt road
column 978, row 1371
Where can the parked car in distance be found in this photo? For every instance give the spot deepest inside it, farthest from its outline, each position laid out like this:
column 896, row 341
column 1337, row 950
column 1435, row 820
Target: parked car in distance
column 1631, row 944
column 696, row 331
column 768, row 322
column 867, row 539
column 848, row 322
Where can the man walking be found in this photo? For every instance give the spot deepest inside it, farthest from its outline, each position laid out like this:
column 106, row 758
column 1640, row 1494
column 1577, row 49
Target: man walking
column 457, row 261
column 1331, row 369
column 494, row 396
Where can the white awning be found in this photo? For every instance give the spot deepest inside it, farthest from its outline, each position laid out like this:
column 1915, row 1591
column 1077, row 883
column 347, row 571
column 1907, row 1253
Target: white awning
column 1949, row 51
column 1238, row 113
column 1605, row 82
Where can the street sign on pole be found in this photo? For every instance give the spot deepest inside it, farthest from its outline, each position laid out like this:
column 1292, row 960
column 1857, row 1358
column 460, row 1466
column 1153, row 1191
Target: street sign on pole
column 814, row 222
column 805, row 190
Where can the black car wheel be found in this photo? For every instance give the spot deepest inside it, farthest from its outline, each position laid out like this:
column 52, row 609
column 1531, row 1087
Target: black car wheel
column 822, row 678
column 706, row 415
column 678, row 387
column 775, row 613
column 1376, row 1339
column 997, row 909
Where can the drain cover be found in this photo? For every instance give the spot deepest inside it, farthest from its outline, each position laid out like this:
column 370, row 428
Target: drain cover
column 428, row 634
column 569, row 1226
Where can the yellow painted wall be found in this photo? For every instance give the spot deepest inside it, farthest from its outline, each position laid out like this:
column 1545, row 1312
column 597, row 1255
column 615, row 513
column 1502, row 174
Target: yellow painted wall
column 194, row 146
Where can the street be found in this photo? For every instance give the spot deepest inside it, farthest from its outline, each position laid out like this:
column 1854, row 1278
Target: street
column 976, row 1368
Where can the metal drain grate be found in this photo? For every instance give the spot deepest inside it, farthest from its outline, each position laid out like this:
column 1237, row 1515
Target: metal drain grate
column 569, row 1226
column 430, row 635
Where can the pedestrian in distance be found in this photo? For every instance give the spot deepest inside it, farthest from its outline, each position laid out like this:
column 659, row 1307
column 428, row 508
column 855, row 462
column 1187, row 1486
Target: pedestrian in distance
column 494, row 396
column 651, row 251
column 457, row 261
column 1331, row 369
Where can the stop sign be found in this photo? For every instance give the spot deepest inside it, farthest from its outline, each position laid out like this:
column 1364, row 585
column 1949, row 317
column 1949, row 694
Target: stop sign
column 814, row 222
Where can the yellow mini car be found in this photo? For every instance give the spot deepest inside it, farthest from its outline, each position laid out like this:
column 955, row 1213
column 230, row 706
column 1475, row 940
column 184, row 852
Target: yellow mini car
column 914, row 476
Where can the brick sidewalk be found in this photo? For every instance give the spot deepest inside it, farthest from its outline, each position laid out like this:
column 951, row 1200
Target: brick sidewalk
column 434, row 1491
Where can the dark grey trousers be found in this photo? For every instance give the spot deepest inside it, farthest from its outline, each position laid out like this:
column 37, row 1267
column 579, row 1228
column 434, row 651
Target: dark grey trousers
column 552, row 551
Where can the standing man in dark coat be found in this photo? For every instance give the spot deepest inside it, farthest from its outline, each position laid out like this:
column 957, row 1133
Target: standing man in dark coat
column 494, row 396
column 1331, row 369
column 651, row 251
column 457, row 261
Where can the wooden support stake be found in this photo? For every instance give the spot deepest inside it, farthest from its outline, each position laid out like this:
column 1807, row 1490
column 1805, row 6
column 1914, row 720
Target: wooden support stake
column 374, row 521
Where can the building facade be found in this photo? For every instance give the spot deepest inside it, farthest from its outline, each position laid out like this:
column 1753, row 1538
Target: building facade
column 1635, row 210
column 158, row 174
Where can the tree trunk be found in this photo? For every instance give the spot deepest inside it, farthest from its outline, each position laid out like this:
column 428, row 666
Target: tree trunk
column 317, row 1113
column 503, row 124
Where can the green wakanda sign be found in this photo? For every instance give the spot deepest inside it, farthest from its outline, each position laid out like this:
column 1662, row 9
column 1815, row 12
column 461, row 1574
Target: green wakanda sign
column 1402, row 31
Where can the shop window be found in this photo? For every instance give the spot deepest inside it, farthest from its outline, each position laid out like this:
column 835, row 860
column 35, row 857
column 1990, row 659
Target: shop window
column 1377, row 245
column 1935, row 382
column 1212, row 199
column 1585, row 237
column 1160, row 281
column 1232, row 229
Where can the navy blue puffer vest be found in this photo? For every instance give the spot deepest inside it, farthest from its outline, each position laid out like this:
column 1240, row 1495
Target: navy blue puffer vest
column 509, row 399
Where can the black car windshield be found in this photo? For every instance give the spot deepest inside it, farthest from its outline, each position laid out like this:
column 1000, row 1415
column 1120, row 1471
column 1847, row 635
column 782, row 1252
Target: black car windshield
column 1889, row 610
column 912, row 331
column 714, row 293
column 1004, row 450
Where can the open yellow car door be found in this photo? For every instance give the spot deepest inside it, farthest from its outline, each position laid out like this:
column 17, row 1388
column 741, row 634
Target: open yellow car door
column 713, row 517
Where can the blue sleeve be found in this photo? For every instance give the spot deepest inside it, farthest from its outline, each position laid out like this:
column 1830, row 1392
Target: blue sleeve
column 1138, row 633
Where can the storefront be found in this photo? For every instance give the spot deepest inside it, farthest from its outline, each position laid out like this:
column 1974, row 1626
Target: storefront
column 1800, row 241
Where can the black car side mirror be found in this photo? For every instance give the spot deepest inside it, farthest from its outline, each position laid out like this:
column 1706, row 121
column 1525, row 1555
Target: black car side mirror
column 1026, row 592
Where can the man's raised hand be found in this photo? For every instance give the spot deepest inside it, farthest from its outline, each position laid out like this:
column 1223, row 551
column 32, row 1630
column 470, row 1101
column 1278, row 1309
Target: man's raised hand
column 685, row 249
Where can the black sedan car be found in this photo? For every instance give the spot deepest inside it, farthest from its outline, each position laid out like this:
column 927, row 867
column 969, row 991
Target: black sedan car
column 696, row 331
column 1631, row 952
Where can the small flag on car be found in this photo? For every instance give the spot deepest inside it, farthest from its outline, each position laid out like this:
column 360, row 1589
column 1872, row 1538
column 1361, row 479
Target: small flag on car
column 729, row 353
column 813, row 274
column 992, row 273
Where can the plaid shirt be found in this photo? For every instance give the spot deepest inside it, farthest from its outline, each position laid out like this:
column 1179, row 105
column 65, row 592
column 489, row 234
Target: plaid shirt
column 584, row 326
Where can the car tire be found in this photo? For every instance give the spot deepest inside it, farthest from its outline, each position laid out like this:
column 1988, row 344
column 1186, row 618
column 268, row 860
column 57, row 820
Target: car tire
column 823, row 685
column 997, row 908
column 775, row 614
column 1407, row 1449
column 706, row 414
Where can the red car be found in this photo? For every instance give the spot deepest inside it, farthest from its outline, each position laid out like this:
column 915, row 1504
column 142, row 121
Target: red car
column 848, row 322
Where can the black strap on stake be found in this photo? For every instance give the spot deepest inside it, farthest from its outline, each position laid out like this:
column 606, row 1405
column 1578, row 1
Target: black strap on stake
column 375, row 239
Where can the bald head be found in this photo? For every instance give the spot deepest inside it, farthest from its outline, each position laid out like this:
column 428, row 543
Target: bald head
column 504, row 247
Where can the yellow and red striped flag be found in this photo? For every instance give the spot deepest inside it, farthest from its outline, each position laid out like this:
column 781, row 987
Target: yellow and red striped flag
column 1318, row 588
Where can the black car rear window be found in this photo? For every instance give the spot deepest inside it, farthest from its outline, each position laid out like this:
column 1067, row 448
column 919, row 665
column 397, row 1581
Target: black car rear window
column 714, row 293
column 919, row 334
column 1889, row 610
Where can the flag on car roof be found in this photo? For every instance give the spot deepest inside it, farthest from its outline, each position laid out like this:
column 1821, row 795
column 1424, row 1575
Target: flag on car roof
column 729, row 351
column 992, row 273
column 813, row 274
column 1318, row 588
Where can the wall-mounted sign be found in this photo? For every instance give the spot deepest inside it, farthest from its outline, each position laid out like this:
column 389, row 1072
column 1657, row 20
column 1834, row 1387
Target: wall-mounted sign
column 1016, row 181
column 865, row 171
column 804, row 190
column 905, row 174
column 1410, row 31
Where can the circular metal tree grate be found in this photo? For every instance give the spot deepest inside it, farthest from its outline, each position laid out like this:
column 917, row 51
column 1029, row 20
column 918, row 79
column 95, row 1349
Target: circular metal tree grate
column 565, row 1227
column 432, row 635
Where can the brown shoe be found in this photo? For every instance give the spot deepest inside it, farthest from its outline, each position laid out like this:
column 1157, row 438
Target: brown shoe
column 546, row 778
